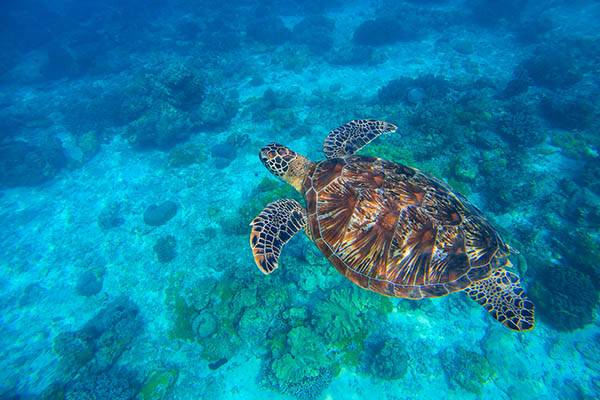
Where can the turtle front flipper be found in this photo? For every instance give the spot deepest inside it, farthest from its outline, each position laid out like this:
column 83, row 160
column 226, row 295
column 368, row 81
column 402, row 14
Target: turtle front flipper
column 274, row 226
column 353, row 136
column 502, row 295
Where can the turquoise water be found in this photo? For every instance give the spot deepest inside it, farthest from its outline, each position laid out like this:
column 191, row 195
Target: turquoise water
column 129, row 174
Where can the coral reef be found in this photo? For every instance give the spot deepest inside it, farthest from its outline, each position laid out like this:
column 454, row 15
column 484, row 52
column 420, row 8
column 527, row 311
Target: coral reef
column 552, row 67
column 394, row 91
column 316, row 32
column 204, row 325
column 565, row 297
column 580, row 246
column 113, row 329
column 518, row 83
column 116, row 384
column 384, row 31
column 138, row 100
column 119, row 105
column 90, row 283
column 163, row 126
column 534, row 29
column 510, row 187
column 398, row 90
column 60, row 63
column 351, row 55
column 165, row 248
column 251, row 327
column 32, row 293
column 465, row 369
column 462, row 169
column 185, row 155
column 225, row 316
column 110, row 216
column 158, row 384
column 518, row 126
column 223, row 154
column 577, row 146
column 182, row 313
column 306, row 369
column 75, row 349
column 398, row 154
column 269, row 30
column 274, row 105
column 567, row 112
column 90, row 353
column 266, row 191
column 343, row 319
column 590, row 175
column 313, row 346
column 307, row 357
column 156, row 215
column 24, row 164
column 183, row 88
column 388, row 360
column 163, row 109
column 219, row 35
column 340, row 316
column 490, row 13
column 217, row 110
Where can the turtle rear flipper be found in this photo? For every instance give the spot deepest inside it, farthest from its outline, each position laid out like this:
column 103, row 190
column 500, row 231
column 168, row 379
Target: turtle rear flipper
column 274, row 226
column 502, row 295
column 353, row 136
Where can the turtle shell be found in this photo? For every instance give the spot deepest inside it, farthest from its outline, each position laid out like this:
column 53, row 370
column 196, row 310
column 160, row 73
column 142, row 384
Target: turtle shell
column 396, row 230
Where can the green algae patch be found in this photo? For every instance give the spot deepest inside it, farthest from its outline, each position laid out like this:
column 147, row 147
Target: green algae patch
column 181, row 311
column 284, row 119
column 182, row 326
column 158, row 384
column 573, row 145
column 186, row 155
column 462, row 169
column 390, row 152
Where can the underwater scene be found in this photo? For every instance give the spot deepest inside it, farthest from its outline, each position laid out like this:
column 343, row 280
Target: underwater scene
column 299, row 199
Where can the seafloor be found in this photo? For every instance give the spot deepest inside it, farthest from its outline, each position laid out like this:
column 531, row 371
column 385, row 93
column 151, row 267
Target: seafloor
column 129, row 175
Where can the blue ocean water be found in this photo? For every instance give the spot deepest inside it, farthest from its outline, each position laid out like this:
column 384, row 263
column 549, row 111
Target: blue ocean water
column 129, row 175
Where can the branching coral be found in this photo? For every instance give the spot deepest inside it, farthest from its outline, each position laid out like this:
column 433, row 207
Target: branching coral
column 390, row 360
column 565, row 297
column 519, row 126
column 466, row 369
column 306, row 369
column 345, row 315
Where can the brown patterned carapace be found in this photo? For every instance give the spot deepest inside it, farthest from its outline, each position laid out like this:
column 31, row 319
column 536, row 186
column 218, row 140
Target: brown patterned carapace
column 396, row 230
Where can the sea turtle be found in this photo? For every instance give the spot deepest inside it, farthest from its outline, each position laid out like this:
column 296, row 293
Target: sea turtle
column 388, row 227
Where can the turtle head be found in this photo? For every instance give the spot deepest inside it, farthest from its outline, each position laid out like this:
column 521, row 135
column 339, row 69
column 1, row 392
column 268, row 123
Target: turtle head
column 285, row 163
